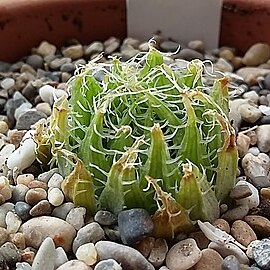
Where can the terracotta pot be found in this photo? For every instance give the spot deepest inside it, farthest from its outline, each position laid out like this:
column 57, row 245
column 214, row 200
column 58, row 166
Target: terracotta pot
column 245, row 22
column 25, row 23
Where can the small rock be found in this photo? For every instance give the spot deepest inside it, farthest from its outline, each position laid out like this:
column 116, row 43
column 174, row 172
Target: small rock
column 62, row 210
column 22, row 210
column 230, row 249
column 223, row 65
column 112, row 234
column 230, row 263
column 111, row 45
column 169, row 46
column 127, row 257
column 3, row 236
column 240, row 192
column 18, row 239
column 3, row 127
column 188, row 54
column 254, row 151
column 45, row 177
column 73, row 52
column 68, row 67
column 90, row 233
column 5, row 189
column 257, row 54
column 260, row 182
column 105, row 218
column 265, row 109
column 46, row 93
column 249, row 113
column 7, row 83
column 134, row 224
column 55, row 196
column 76, row 216
column 25, row 179
column 158, row 253
column 35, row 61
column 242, row 232
column 250, row 74
column 60, row 257
column 38, row 184
column 10, row 254
column 183, row 255
column 44, row 108
column 45, row 257
column 29, row 118
column 250, row 247
column 109, row 264
column 35, row 195
column 263, row 132
column 37, row 229
column 74, row 265
column 56, row 180
column 265, row 193
column 95, row 47
column 197, row 45
column 236, row 213
column 251, row 201
column 4, row 209
column 13, row 222
column 45, row 48
column 261, row 253
column 58, row 62
column 22, row 109
column 87, row 253
column 227, row 54
column 201, row 240
column 234, row 115
column 42, row 208
column 222, row 224
column 259, row 224
column 210, row 260
column 23, row 266
column 242, row 142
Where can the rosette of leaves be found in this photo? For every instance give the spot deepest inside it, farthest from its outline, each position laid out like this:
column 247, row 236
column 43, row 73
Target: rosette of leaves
column 146, row 134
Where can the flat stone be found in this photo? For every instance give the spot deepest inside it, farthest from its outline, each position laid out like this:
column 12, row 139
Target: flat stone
column 128, row 257
column 29, row 118
column 35, row 195
column 210, row 260
column 249, row 113
column 95, row 47
column 261, row 182
column 259, row 224
column 188, row 54
column 60, row 257
column 87, row 253
column 76, row 216
column 62, row 210
column 134, row 224
column 183, row 255
column 37, row 229
column 222, row 224
column 158, row 253
column 250, row 74
column 105, row 218
column 10, row 254
column 73, row 52
column 42, row 208
column 243, row 233
column 169, row 46
column 45, row 48
column 197, row 45
column 3, row 235
column 263, row 132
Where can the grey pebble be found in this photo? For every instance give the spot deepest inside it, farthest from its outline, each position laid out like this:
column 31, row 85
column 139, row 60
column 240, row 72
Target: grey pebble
column 128, row 257
column 169, row 46
column 240, row 192
column 109, row 264
column 27, row 119
column 134, row 224
column 236, row 213
column 188, row 54
column 67, row 67
column 263, row 132
column 35, row 61
column 60, row 257
column 22, row 210
column 93, row 48
column 90, row 233
column 260, row 181
column 265, row 120
column 45, row 177
column 105, row 218
column 18, row 193
column 23, row 266
column 63, row 210
column 10, row 253
column 230, row 263
column 4, row 209
column 3, row 235
column 76, row 216
column 113, row 233
column 45, row 256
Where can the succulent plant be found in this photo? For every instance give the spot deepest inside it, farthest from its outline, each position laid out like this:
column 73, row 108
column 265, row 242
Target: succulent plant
column 144, row 133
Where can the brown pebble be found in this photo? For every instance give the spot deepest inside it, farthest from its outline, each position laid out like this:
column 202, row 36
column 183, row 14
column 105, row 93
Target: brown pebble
column 242, row 232
column 38, row 184
column 25, row 179
column 42, row 208
column 236, row 213
column 18, row 240
column 27, row 255
column 222, row 224
column 145, row 246
column 259, row 224
column 265, row 193
column 16, row 136
column 210, row 260
column 158, row 253
column 201, row 240
column 2, row 199
column 240, row 192
column 35, row 195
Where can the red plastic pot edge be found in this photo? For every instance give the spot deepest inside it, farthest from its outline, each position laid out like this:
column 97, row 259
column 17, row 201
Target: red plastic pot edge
column 22, row 28
column 243, row 23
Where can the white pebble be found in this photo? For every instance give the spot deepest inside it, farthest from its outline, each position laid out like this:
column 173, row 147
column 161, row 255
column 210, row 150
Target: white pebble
column 250, row 247
column 253, row 200
column 13, row 222
column 25, row 155
column 22, row 109
column 4, row 154
column 46, row 93
column 249, row 113
column 87, row 253
column 264, row 109
column 252, row 96
column 56, row 180
column 23, row 266
column 55, row 196
column 7, row 83
column 254, row 151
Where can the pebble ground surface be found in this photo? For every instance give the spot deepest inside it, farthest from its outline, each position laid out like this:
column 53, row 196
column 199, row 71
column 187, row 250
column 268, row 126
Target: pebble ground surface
column 40, row 230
